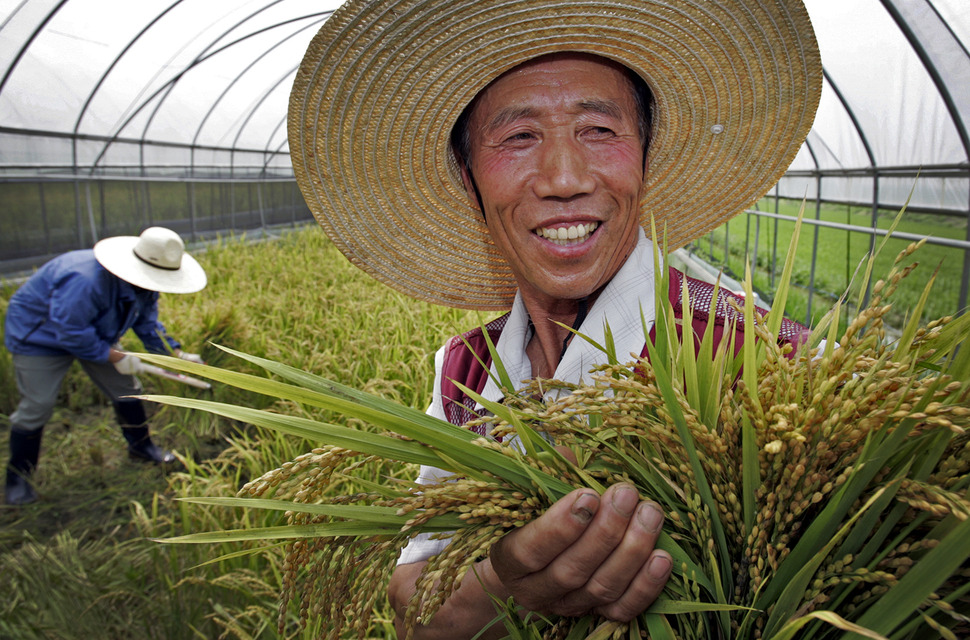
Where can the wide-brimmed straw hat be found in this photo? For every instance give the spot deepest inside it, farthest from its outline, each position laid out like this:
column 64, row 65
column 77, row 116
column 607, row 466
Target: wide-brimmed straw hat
column 156, row 260
column 736, row 85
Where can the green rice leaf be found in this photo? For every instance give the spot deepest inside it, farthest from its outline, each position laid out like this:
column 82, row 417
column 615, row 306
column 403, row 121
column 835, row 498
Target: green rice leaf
column 909, row 331
column 789, row 631
column 892, row 609
column 669, row 606
column 535, row 445
column 750, row 471
column 289, row 532
column 871, row 261
column 658, row 627
column 777, row 312
column 314, row 431
column 665, row 385
column 609, row 349
column 242, row 553
column 794, row 590
column 437, row 435
column 315, row 391
column 750, row 348
column 361, row 513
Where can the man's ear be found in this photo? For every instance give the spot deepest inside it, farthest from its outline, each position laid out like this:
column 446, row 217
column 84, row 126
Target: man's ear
column 643, row 182
column 469, row 183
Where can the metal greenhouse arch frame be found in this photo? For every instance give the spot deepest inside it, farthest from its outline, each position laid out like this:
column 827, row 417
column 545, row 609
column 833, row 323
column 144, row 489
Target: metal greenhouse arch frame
column 121, row 153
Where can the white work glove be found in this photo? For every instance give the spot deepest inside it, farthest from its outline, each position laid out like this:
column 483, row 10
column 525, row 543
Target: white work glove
column 190, row 357
column 130, row 365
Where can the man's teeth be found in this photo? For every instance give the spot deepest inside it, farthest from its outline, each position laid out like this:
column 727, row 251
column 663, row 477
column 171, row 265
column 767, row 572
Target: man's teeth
column 565, row 236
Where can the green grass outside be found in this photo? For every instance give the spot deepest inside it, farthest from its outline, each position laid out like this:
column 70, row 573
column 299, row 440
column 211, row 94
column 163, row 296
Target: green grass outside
column 838, row 255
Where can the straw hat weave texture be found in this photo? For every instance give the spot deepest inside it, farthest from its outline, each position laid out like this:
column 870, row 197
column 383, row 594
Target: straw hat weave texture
column 736, row 86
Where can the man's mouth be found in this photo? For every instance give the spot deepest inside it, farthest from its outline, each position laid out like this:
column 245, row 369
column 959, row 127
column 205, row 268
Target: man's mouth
column 566, row 236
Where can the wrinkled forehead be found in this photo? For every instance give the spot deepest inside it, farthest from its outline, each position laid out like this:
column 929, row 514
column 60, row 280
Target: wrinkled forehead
column 598, row 67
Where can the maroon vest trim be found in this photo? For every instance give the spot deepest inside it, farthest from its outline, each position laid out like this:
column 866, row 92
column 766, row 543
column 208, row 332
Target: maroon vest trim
column 461, row 363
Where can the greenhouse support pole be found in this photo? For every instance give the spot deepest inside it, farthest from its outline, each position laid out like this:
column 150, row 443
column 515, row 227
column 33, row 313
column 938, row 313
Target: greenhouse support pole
column 757, row 240
column 78, row 217
column 948, row 73
column 747, row 239
column 191, row 186
column 774, row 241
column 259, row 200
column 102, row 208
column 962, row 304
column 875, row 225
column 811, row 274
column 87, row 197
column 710, row 247
column 147, row 203
column 43, row 217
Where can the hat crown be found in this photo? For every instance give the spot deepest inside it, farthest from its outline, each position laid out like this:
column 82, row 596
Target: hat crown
column 160, row 247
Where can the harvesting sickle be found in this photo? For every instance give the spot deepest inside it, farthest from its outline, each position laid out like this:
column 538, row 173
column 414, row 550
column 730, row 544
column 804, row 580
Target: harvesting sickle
column 177, row 377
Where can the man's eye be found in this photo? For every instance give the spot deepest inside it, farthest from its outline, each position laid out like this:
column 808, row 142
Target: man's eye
column 522, row 136
column 601, row 131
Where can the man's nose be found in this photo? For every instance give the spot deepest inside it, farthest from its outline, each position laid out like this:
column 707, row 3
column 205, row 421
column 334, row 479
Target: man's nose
column 563, row 170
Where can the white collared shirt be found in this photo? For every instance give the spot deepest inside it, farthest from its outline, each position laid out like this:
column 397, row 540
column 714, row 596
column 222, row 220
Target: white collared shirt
column 626, row 303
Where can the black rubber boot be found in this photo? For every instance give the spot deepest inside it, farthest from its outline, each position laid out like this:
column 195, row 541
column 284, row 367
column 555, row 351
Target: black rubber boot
column 131, row 415
column 140, row 446
column 24, row 453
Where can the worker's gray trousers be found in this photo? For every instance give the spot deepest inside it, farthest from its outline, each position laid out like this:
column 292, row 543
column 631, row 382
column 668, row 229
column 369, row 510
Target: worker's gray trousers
column 39, row 380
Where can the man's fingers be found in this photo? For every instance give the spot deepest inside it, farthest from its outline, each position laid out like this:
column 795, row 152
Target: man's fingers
column 587, row 553
column 534, row 546
column 611, row 578
column 646, row 587
column 604, row 534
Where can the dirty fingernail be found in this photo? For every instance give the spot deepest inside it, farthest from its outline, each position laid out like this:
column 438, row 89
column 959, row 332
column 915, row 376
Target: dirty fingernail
column 625, row 500
column 585, row 506
column 650, row 516
column 659, row 566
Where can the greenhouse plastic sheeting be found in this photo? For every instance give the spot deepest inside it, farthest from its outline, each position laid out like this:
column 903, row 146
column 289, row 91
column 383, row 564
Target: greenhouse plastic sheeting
column 198, row 88
column 95, row 86
column 883, row 109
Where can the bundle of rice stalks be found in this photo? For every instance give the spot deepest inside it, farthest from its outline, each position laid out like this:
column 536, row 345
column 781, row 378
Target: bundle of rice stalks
column 815, row 494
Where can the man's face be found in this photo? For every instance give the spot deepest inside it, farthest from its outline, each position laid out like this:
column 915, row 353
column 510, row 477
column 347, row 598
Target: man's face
column 558, row 161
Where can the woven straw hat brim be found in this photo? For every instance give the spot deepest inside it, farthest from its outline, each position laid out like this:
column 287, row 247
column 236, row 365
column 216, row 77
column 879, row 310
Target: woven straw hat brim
column 117, row 255
column 382, row 83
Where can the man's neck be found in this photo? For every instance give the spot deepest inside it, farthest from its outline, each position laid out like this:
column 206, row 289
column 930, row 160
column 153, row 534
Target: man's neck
column 551, row 334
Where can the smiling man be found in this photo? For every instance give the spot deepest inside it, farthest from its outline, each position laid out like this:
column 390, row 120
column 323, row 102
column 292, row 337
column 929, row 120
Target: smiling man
column 556, row 163
column 555, row 148
column 508, row 155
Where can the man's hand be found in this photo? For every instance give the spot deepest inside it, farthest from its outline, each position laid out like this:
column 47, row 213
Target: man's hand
column 189, row 357
column 129, row 365
column 587, row 554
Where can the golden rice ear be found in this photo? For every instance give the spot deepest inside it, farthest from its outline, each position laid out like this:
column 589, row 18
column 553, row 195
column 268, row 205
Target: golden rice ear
column 850, row 487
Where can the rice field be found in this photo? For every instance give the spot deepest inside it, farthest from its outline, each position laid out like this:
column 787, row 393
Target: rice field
column 83, row 562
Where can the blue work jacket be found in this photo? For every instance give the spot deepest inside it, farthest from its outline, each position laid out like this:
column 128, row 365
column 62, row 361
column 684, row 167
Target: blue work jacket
column 73, row 305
